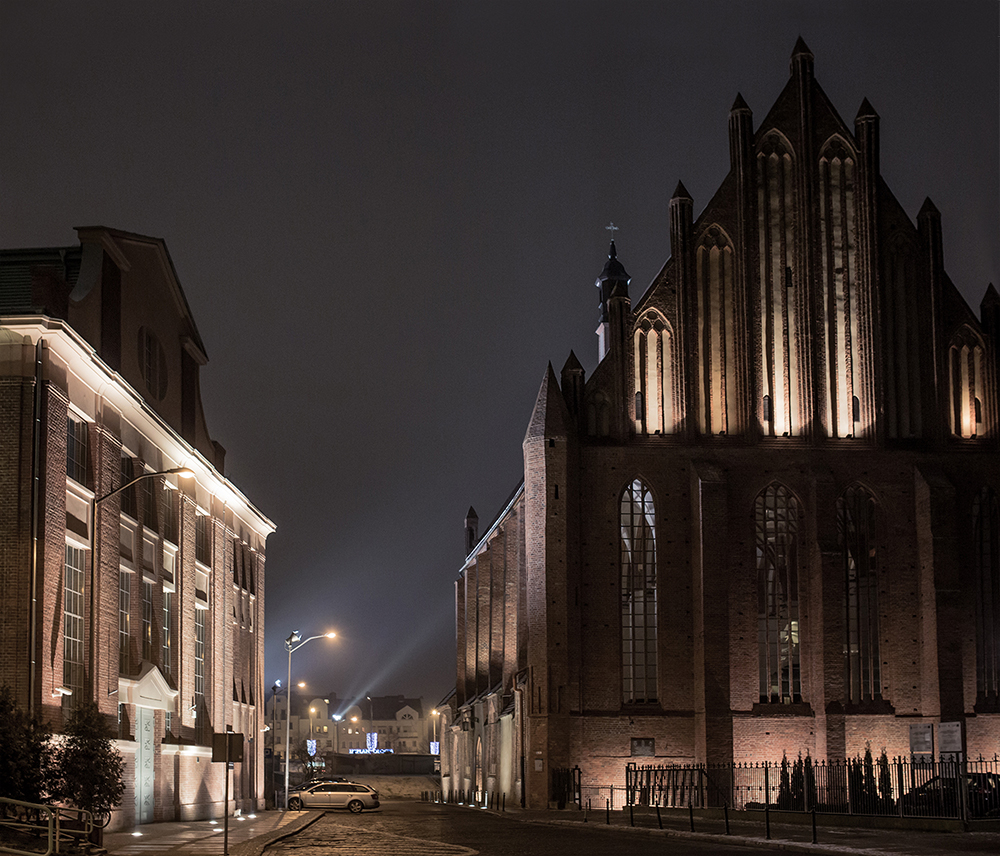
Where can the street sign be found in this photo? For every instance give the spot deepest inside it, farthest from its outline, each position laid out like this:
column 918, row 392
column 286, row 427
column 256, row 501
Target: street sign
column 235, row 740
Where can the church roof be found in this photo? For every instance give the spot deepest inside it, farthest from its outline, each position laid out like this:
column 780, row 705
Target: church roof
column 613, row 269
column 550, row 416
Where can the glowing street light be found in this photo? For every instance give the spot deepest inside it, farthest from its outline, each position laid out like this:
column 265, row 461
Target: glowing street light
column 184, row 473
column 293, row 643
column 435, row 713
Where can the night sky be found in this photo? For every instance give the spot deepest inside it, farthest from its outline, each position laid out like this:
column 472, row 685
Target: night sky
column 388, row 218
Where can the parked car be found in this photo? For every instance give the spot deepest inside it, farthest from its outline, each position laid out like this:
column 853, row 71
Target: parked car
column 939, row 796
column 319, row 780
column 350, row 795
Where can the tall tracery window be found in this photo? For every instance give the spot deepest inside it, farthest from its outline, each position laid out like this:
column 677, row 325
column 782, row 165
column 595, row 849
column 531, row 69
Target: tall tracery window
column 776, row 301
column 638, row 568
column 654, row 404
column 986, row 535
column 856, row 528
column 841, row 300
column 716, row 306
column 776, row 514
column 965, row 373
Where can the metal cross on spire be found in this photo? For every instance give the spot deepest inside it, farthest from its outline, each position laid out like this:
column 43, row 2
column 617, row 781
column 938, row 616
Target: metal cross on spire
column 612, row 228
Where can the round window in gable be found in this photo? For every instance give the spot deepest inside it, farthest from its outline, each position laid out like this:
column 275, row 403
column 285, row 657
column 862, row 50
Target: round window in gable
column 152, row 363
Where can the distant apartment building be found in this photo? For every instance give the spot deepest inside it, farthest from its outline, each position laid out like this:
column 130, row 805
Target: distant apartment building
column 366, row 726
column 99, row 389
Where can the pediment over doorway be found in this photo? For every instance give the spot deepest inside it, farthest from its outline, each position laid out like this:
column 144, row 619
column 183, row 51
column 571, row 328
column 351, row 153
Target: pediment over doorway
column 149, row 689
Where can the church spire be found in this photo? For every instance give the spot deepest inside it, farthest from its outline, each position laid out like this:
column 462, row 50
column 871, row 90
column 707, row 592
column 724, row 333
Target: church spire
column 613, row 282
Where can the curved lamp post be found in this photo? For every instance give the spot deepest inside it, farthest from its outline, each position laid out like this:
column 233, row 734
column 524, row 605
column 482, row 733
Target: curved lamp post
column 293, row 643
column 183, row 472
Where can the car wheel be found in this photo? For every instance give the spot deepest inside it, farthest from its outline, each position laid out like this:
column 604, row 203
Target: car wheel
column 356, row 806
column 295, row 804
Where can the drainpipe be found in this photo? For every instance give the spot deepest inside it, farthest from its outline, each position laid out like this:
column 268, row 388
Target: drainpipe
column 36, row 466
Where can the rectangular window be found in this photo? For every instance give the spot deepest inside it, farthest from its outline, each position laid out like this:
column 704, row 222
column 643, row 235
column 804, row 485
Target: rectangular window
column 147, row 488
column 168, row 605
column 170, row 515
column 127, row 495
column 124, row 604
column 76, row 449
column 199, row 656
column 169, row 564
column 126, row 539
column 73, row 624
column 168, row 722
column 202, row 545
column 148, row 552
column 147, row 620
column 643, row 747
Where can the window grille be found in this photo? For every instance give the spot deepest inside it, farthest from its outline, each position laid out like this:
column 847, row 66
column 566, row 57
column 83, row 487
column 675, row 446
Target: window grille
column 76, row 449
column 73, row 625
column 638, row 594
column 128, row 503
column 147, row 488
column 124, row 604
column 202, row 541
column 776, row 536
column 856, row 526
column 147, row 620
column 168, row 604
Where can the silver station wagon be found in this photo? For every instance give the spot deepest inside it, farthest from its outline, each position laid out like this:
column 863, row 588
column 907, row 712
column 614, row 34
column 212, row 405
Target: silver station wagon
column 350, row 795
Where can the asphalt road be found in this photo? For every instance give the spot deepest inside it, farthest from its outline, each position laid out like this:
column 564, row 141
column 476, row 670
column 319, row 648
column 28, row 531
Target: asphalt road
column 428, row 829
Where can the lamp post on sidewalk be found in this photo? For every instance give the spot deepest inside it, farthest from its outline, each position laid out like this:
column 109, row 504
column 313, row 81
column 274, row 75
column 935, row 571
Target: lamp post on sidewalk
column 290, row 644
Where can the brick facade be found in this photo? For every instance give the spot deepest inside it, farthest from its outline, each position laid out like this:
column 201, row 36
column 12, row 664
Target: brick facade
column 810, row 409
column 102, row 333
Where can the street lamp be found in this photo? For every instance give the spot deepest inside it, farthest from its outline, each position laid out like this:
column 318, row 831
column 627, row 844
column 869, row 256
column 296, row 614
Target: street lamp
column 184, row 473
column 290, row 644
column 371, row 724
column 434, row 732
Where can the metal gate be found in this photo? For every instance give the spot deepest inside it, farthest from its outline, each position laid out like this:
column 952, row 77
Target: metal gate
column 565, row 786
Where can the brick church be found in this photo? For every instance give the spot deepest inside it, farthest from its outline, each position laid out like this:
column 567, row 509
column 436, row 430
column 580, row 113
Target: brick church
column 131, row 568
column 767, row 522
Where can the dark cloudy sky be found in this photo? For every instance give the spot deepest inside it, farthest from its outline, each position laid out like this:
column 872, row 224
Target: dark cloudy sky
column 388, row 217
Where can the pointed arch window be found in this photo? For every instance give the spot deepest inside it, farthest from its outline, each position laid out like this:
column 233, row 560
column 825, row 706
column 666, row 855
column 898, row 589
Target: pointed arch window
column 638, row 592
column 776, row 317
column 966, row 357
column 716, row 307
column 776, row 517
column 653, row 366
column 986, row 534
column 856, row 528
column 598, row 416
column 839, row 284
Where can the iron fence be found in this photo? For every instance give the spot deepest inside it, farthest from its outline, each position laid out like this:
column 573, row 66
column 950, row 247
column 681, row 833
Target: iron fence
column 907, row 787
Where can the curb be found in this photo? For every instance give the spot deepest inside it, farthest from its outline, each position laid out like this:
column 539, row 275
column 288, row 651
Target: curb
column 256, row 846
column 715, row 838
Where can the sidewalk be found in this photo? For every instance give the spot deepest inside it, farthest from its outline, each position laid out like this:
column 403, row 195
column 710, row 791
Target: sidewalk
column 248, row 836
column 792, row 837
